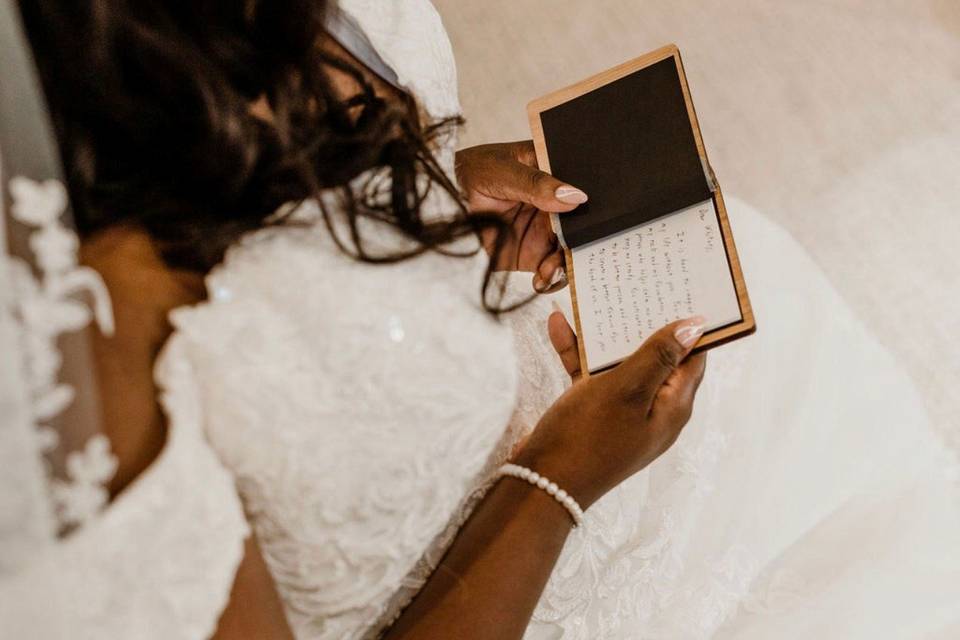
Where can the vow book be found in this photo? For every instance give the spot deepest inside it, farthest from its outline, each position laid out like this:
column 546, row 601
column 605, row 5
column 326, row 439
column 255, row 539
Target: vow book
column 653, row 244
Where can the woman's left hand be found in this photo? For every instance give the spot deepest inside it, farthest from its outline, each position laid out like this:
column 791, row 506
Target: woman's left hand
column 504, row 179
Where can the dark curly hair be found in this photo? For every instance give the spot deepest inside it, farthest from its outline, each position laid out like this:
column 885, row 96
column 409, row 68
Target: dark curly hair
column 151, row 100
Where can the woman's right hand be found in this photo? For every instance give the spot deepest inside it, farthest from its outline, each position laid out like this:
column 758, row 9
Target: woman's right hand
column 607, row 427
column 597, row 434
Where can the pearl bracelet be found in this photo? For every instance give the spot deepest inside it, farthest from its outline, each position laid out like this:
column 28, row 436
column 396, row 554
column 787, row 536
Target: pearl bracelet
column 537, row 480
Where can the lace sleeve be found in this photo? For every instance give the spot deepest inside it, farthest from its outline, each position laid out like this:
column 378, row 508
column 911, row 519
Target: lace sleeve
column 356, row 406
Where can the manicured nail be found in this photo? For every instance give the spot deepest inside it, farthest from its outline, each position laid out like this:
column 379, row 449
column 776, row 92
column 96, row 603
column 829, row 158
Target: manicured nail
column 538, row 284
column 559, row 275
column 570, row 195
column 542, row 286
column 690, row 331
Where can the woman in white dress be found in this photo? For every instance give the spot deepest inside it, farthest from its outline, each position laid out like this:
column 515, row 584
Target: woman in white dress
column 364, row 409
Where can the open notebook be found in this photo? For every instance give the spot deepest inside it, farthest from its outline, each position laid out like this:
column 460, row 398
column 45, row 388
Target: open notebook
column 653, row 244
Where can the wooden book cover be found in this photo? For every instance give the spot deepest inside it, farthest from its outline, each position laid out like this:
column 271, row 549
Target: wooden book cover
column 653, row 244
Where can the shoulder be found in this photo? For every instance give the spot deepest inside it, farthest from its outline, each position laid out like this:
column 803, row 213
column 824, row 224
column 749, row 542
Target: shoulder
column 409, row 35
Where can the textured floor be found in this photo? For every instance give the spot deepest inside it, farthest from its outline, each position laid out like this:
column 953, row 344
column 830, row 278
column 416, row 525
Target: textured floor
column 840, row 120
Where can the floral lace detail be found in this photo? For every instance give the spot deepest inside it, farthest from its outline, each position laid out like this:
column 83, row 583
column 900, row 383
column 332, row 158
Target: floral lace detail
column 158, row 562
column 45, row 308
column 174, row 535
column 338, row 434
column 335, row 481
column 540, row 383
column 88, row 472
column 625, row 566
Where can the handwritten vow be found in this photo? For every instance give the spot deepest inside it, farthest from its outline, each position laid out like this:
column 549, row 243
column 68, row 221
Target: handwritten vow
column 631, row 284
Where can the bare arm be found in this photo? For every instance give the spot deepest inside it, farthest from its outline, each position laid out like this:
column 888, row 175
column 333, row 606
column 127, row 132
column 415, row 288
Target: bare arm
column 254, row 610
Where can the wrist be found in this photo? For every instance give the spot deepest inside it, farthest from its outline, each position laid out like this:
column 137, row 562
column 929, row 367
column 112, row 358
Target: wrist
column 535, row 504
column 560, row 471
column 549, row 487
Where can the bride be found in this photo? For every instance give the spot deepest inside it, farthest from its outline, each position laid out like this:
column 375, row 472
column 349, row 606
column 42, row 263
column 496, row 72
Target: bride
column 277, row 179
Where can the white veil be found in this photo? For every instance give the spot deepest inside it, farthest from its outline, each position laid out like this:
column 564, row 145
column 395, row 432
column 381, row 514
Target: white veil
column 54, row 460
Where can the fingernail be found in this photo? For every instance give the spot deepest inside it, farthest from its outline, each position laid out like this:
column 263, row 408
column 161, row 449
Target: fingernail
column 538, row 284
column 559, row 275
column 570, row 195
column 690, row 331
column 542, row 286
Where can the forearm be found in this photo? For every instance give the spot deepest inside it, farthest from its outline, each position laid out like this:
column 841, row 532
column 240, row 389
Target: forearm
column 254, row 609
column 491, row 578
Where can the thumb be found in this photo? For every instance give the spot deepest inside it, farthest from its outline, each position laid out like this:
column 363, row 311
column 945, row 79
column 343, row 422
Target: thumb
column 652, row 364
column 522, row 183
column 564, row 341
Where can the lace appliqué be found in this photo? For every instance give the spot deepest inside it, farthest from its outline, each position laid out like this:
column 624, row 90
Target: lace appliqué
column 541, row 381
column 84, row 493
column 628, row 567
column 45, row 307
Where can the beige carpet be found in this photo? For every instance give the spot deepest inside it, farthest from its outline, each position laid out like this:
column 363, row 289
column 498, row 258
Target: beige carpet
column 839, row 120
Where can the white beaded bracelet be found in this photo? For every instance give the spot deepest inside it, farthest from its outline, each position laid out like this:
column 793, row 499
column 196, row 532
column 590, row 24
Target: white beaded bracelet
column 537, row 480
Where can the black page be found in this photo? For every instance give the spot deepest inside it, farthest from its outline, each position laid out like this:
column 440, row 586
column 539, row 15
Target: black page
column 630, row 146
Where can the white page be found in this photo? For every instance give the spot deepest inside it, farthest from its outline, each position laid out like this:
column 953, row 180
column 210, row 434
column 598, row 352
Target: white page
column 630, row 285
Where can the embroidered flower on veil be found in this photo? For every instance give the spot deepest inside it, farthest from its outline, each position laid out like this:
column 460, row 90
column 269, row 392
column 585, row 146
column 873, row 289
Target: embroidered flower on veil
column 45, row 306
column 88, row 470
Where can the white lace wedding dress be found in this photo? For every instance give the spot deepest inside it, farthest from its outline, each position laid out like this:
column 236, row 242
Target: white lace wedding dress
column 157, row 564
column 362, row 410
column 159, row 560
